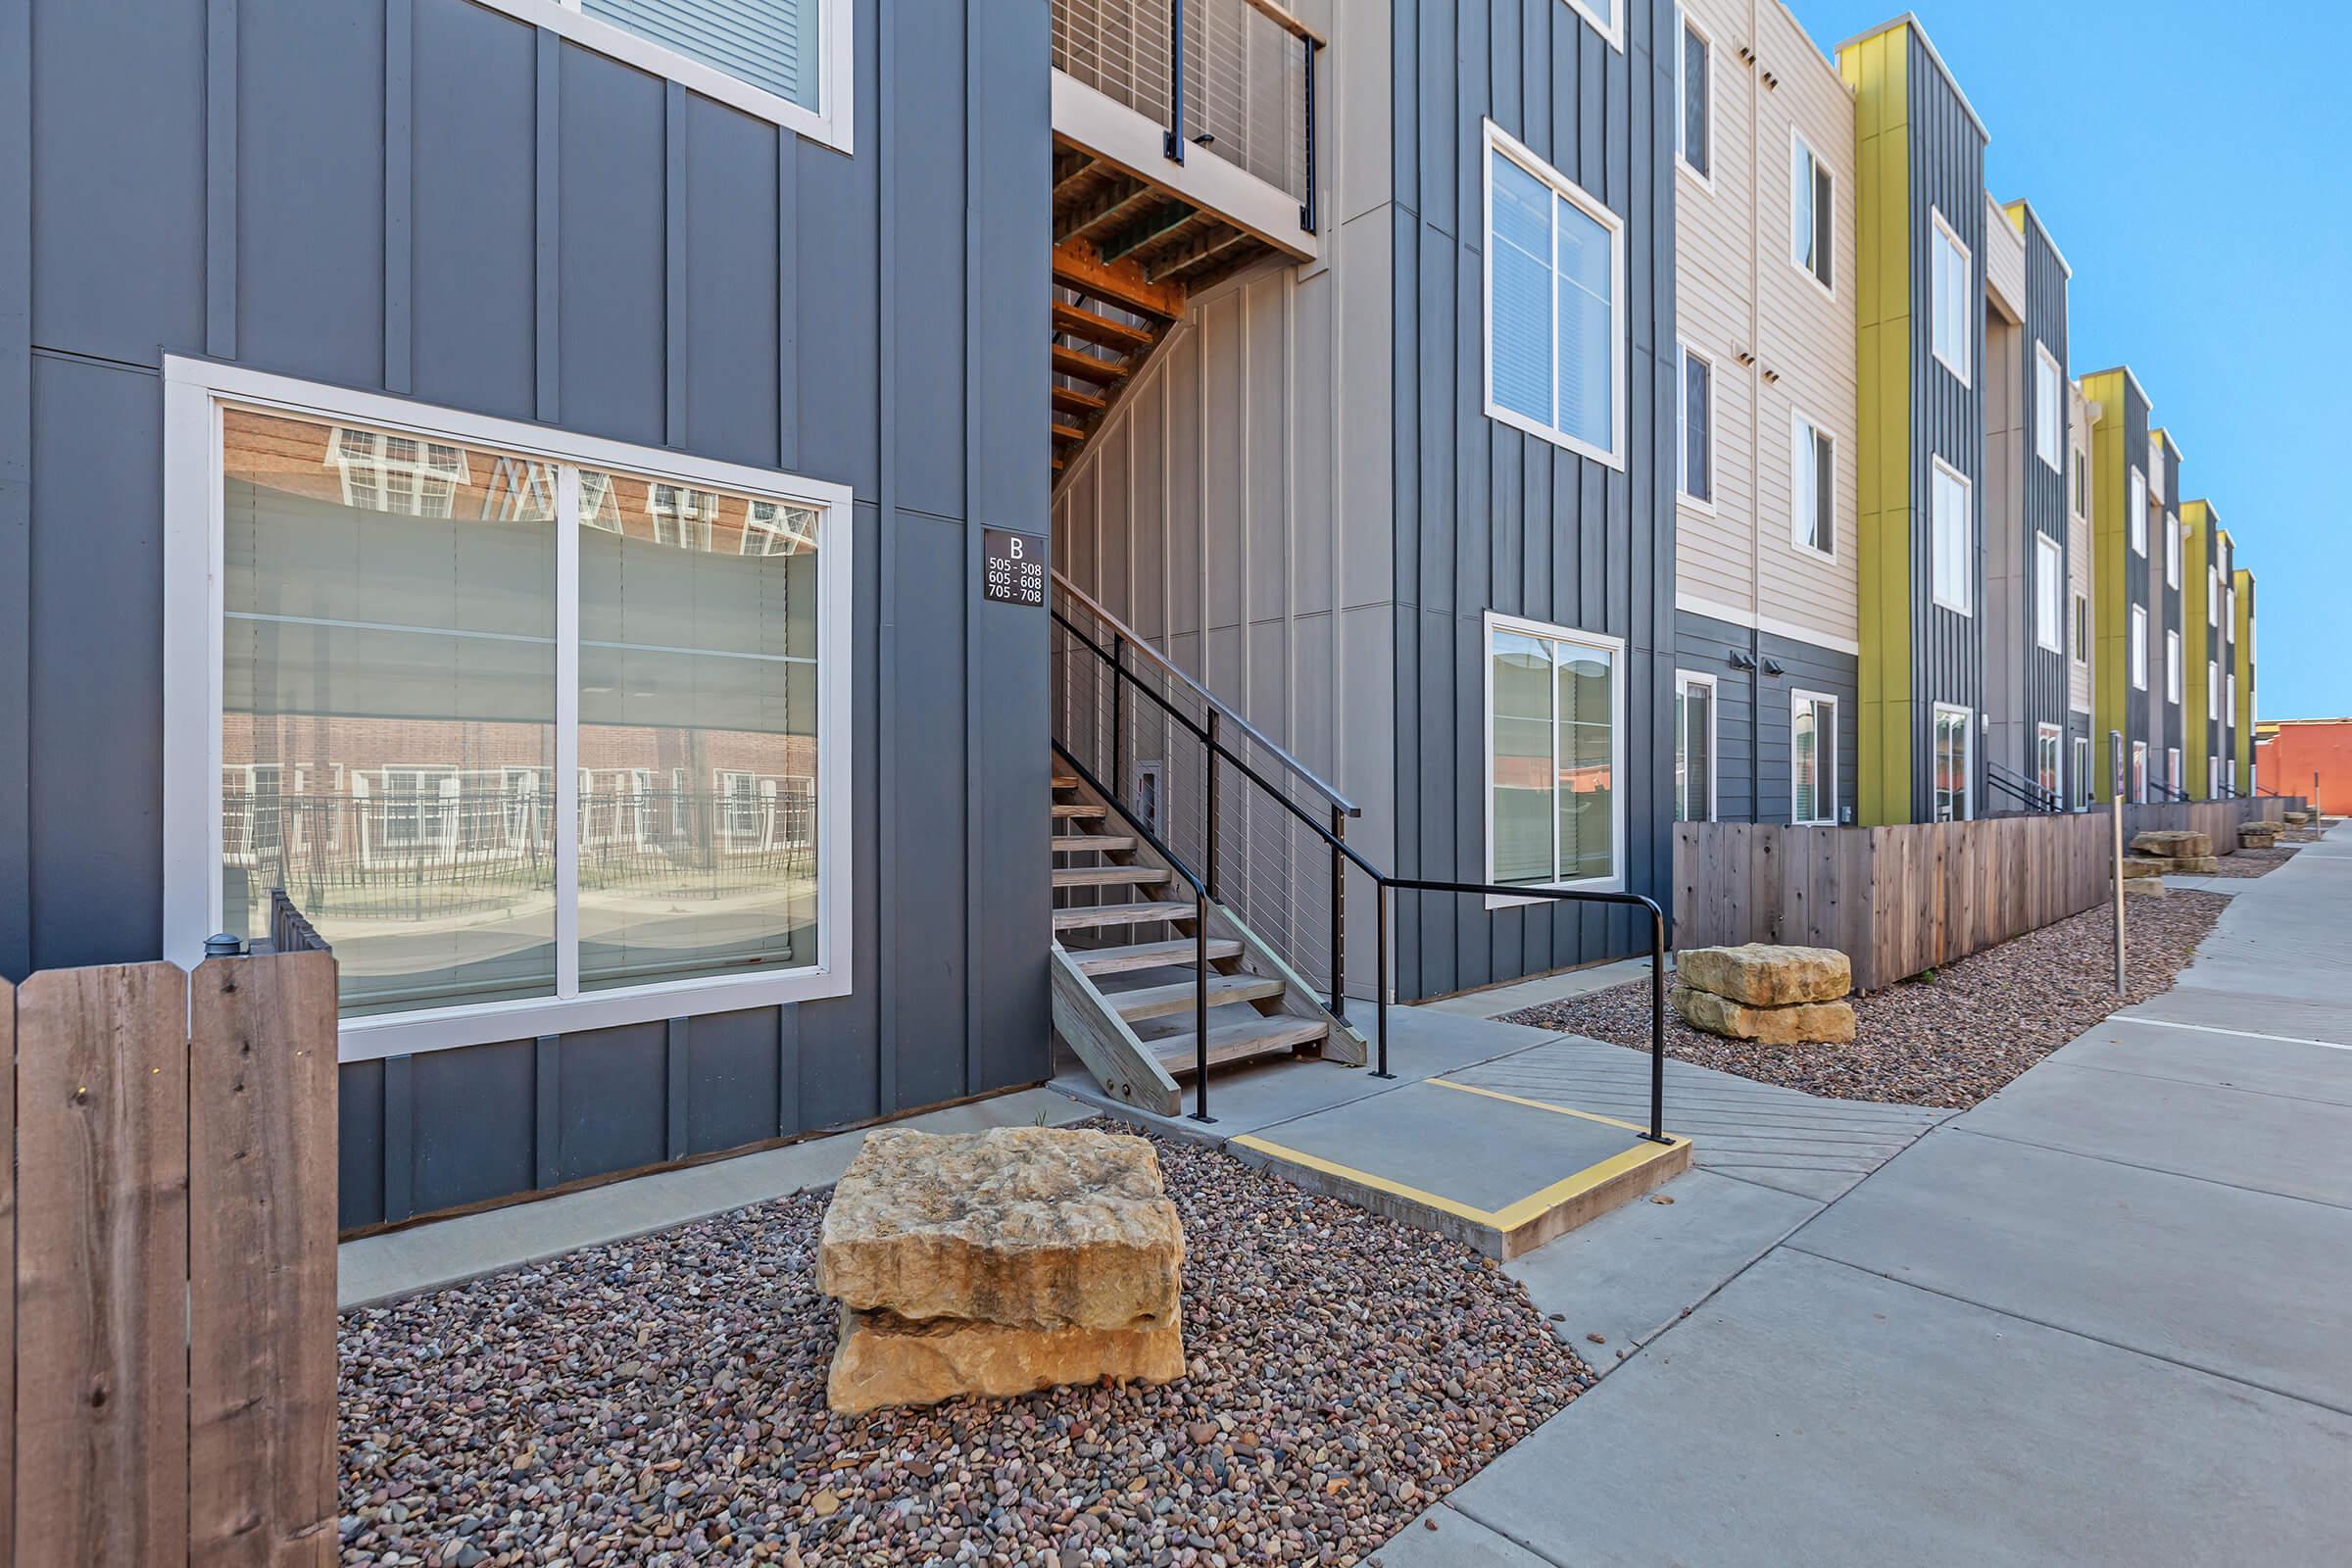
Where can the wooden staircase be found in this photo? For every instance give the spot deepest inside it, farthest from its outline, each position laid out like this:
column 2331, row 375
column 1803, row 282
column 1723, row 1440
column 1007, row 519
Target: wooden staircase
column 1128, row 255
column 1126, row 960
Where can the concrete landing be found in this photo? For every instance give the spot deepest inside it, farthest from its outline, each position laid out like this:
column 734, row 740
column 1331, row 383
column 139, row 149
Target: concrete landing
column 1499, row 1172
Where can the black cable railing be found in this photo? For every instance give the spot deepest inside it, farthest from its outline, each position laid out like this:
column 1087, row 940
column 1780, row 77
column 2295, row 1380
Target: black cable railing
column 2027, row 792
column 1210, row 732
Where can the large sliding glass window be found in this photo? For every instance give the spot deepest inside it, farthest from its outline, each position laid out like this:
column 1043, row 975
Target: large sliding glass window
column 1952, row 771
column 1812, row 758
column 510, row 728
column 1555, row 270
column 1555, row 716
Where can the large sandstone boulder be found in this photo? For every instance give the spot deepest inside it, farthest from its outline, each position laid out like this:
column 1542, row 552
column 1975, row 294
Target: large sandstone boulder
column 1028, row 1227
column 1763, row 975
column 886, row 1360
column 2146, row 886
column 1828, row 1022
column 2295, row 819
column 2173, row 843
column 2195, row 865
column 2142, row 866
column 2258, row 835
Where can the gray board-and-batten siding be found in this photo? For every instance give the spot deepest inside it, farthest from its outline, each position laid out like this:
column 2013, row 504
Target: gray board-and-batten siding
column 435, row 200
column 1946, row 156
column 1754, row 709
column 1489, row 518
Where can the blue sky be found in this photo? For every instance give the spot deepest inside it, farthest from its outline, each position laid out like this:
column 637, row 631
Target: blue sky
column 2192, row 173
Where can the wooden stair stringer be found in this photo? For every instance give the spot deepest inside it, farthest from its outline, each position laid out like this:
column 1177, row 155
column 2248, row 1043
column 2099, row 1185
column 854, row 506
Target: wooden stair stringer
column 1127, row 1070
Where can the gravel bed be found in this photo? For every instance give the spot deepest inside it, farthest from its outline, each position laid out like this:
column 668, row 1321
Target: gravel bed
column 2254, row 863
column 1949, row 1038
column 662, row 1401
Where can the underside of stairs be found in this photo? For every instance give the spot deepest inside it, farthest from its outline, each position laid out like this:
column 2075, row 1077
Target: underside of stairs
column 1128, row 255
column 1126, row 961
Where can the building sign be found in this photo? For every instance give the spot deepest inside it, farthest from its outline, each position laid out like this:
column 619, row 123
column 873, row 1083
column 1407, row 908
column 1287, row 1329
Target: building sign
column 1013, row 567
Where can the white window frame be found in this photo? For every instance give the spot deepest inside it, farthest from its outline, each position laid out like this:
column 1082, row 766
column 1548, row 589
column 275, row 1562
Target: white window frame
column 2049, row 736
column 1687, row 23
column 1824, row 756
column 1799, row 525
column 1611, row 28
column 1962, row 367
column 2175, row 672
column 2049, row 592
column 2138, row 652
column 2082, row 628
column 1682, row 428
column 1966, row 812
column 2172, row 552
column 2081, row 762
column 2172, row 771
column 1495, row 621
column 2212, row 598
column 832, row 124
column 1797, row 143
column 2136, row 781
column 1502, row 141
column 195, row 391
column 2049, row 414
column 1684, row 681
column 2213, row 690
column 1965, row 604
column 2136, row 500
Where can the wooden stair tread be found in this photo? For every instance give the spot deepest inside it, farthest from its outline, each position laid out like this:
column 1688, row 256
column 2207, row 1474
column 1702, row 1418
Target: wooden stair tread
column 1067, row 432
column 1108, row 876
column 1071, row 322
column 1154, row 1001
column 1246, row 1040
column 1122, row 914
column 1070, row 400
column 1089, row 367
column 1066, row 781
column 1079, row 808
column 1079, row 843
column 1151, row 955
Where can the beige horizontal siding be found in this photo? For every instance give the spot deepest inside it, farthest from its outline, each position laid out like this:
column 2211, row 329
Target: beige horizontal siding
column 1739, row 293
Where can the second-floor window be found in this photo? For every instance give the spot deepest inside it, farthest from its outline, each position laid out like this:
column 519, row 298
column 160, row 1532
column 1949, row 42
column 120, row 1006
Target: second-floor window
column 2139, row 648
column 1555, row 268
column 1698, row 428
column 1953, row 526
column 1813, row 485
column 1812, row 196
column 1953, row 328
column 2081, row 630
column 2212, row 599
column 2172, row 554
column 2139, row 512
column 2049, row 594
column 2171, row 666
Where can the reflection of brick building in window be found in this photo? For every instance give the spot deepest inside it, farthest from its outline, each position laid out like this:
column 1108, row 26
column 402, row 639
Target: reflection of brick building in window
column 358, row 815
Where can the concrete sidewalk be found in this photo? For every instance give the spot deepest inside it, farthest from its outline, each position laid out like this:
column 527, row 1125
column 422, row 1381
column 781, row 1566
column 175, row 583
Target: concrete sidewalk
column 2102, row 1317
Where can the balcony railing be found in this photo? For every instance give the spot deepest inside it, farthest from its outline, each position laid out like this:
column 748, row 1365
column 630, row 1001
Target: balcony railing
column 1234, row 79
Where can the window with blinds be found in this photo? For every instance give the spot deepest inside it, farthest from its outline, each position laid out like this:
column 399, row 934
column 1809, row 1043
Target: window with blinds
column 771, row 44
column 1812, row 758
column 1554, row 707
column 1555, row 268
column 1813, row 485
column 1698, row 428
column 1952, row 528
column 1693, row 127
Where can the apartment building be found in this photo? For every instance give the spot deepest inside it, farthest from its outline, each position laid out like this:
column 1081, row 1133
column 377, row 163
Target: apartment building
column 2086, row 758
column 2241, row 610
column 1397, row 493
column 1766, row 588
column 514, row 475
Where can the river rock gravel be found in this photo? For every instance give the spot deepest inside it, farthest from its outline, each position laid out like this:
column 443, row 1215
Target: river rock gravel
column 662, row 1401
column 1949, row 1038
column 2258, row 863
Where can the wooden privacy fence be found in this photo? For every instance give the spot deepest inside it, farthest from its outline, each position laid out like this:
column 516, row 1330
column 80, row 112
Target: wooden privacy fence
column 1900, row 900
column 168, row 1264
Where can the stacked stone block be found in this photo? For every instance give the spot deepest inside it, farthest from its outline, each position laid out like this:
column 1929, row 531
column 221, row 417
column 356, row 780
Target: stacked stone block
column 1772, row 995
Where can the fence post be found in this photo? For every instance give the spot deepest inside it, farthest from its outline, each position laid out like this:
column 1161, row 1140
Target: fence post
column 2114, row 799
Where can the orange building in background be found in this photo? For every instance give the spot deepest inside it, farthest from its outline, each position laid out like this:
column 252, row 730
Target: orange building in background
column 2289, row 752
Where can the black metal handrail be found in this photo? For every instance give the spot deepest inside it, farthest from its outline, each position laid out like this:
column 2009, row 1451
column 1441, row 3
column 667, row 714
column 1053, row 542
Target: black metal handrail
column 2029, row 790
column 1342, row 855
column 1200, row 928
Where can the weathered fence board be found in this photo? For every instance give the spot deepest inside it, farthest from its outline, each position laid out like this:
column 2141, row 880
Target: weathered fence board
column 102, row 1187
column 1905, row 899
column 262, row 1262
column 168, row 1265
